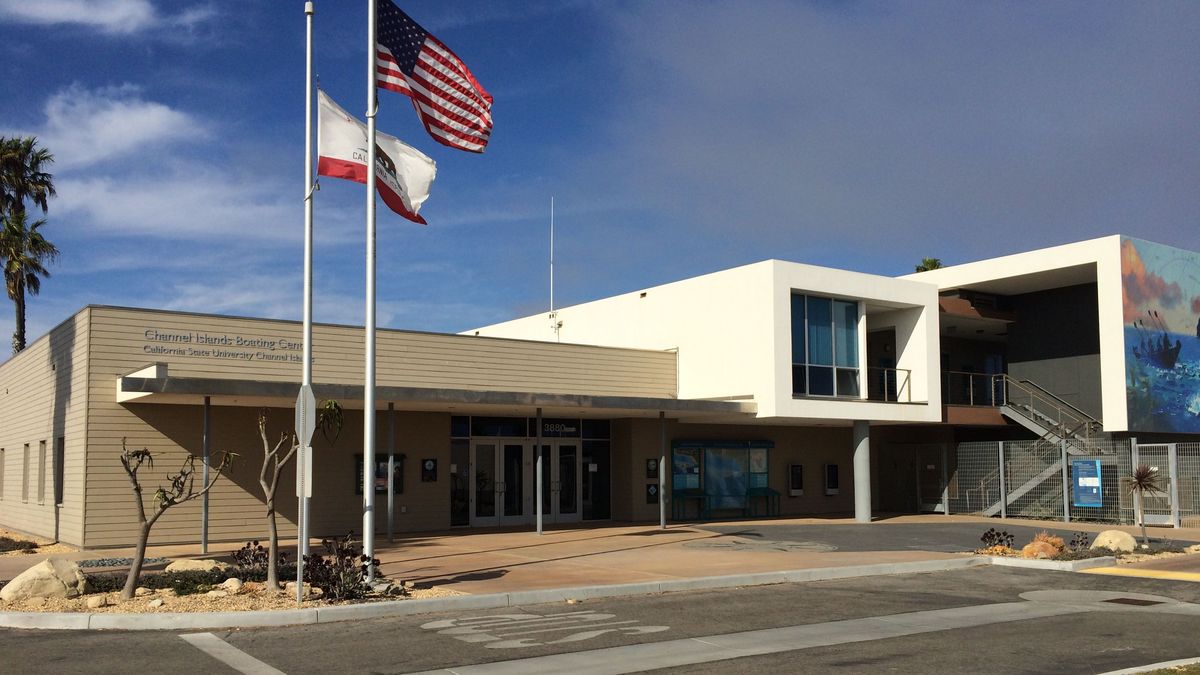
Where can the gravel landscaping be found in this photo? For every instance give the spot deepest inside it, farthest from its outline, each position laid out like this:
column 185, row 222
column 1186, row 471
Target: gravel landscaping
column 250, row 597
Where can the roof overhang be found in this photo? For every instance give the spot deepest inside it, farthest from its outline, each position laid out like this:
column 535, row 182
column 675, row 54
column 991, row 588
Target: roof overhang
column 156, row 387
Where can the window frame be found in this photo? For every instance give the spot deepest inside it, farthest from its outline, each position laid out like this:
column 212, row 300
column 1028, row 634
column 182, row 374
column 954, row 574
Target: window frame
column 835, row 370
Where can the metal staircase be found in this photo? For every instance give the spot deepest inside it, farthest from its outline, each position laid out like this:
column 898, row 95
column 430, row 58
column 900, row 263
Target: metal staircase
column 1047, row 415
column 1059, row 425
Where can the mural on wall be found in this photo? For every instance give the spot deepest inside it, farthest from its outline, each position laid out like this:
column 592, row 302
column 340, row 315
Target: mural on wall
column 1161, row 293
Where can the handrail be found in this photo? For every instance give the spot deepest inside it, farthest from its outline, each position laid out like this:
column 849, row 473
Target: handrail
column 1054, row 396
column 900, row 387
column 1067, row 419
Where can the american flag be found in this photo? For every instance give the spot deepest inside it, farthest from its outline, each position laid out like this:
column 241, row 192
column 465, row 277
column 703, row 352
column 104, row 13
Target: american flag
column 453, row 106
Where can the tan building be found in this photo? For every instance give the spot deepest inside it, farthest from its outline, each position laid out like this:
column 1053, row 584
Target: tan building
column 463, row 405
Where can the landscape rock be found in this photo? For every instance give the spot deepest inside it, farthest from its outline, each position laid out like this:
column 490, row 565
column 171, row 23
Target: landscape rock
column 51, row 578
column 97, row 601
column 35, row 602
column 1039, row 550
column 233, row 585
column 218, row 594
column 141, row 590
column 1115, row 540
column 157, row 602
column 196, row 566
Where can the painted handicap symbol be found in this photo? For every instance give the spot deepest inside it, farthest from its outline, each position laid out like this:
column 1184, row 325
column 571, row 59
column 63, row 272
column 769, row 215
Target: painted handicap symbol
column 506, row 631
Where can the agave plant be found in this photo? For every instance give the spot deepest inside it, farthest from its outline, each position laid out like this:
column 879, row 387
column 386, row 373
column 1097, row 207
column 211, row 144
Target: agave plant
column 1143, row 482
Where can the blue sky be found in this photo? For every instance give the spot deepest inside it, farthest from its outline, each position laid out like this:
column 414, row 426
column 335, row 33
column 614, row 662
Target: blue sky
column 677, row 138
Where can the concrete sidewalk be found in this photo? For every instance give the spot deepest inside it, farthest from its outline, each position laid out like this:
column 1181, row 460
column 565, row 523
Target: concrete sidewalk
column 504, row 568
column 503, row 561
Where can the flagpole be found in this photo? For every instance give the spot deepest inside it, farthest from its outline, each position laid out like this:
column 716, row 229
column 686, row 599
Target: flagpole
column 306, row 377
column 369, row 337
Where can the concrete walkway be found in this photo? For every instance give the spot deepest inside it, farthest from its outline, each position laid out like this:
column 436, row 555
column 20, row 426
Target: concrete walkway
column 503, row 561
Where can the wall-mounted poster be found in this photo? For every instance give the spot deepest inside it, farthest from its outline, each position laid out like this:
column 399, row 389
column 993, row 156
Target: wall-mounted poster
column 381, row 472
column 1161, row 314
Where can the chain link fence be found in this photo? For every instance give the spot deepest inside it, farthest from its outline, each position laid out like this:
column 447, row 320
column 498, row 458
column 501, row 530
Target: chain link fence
column 1032, row 483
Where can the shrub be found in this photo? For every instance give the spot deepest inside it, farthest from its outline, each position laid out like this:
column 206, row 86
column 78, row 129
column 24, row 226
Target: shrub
column 1055, row 541
column 341, row 572
column 994, row 539
column 8, row 544
column 1080, row 542
column 252, row 559
column 183, row 583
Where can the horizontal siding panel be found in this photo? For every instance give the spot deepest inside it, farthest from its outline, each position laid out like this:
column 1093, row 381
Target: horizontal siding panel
column 42, row 397
column 404, row 359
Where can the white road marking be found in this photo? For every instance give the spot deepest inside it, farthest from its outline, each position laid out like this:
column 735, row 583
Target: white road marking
column 228, row 654
column 505, row 631
column 687, row 651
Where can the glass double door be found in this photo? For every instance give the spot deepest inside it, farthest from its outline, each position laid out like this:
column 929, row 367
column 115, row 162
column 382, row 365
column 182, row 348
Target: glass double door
column 503, row 482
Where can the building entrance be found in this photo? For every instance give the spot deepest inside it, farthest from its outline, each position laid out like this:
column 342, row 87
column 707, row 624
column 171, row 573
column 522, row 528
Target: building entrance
column 503, row 482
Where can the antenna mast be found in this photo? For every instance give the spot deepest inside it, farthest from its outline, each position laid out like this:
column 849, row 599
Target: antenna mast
column 555, row 324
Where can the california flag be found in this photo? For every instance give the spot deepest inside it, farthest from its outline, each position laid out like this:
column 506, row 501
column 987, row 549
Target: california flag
column 403, row 174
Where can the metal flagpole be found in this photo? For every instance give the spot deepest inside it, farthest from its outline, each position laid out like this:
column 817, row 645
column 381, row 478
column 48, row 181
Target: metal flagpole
column 369, row 337
column 306, row 377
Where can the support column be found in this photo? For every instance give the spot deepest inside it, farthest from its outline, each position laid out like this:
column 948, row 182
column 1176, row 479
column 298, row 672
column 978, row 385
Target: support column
column 862, row 471
column 662, row 469
column 1173, row 484
column 537, row 453
column 391, row 487
column 1003, row 483
column 1066, row 481
column 204, row 500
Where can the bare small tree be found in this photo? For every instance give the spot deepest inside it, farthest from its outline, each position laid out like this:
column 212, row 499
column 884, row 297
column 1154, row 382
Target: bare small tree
column 268, row 478
column 182, row 489
column 329, row 420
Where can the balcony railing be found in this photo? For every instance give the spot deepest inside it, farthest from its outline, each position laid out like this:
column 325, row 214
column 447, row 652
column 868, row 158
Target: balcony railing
column 983, row 389
column 893, row 385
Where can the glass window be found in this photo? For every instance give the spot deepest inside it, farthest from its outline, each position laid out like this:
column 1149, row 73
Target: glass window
column 596, row 479
column 798, row 314
column 595, row 429
column 825, row 355
column 513, row 427
column 831, row 479
column 41, row 478
column 555, row 428
column 460, row 426
column 796, row 480
column 845, row 330
column 25, row 473
column 820, row 331
column 60, row 456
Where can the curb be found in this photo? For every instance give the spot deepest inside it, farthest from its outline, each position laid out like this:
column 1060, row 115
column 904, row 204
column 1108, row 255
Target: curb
column 1057, row 565
column 214, row 620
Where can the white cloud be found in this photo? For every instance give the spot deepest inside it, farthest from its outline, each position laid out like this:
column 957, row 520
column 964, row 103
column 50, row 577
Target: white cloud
column 113, row 17
column 86, row 126
column 194, row 203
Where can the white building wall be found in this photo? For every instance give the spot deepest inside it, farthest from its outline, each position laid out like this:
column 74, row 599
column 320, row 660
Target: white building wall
column 720, row 324
column 1040, row 267
column 732, row 331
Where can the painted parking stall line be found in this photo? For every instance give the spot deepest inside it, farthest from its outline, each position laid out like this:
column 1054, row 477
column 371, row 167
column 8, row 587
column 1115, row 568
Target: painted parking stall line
column 228, row 654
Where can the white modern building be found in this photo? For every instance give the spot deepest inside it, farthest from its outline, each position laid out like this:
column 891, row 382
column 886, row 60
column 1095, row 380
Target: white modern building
column 776, row 388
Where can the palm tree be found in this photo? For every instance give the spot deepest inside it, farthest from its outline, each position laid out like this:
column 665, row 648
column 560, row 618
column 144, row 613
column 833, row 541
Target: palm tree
column 23, row 175
column 24, row 252
column 927, row 264
column 1143, row 482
